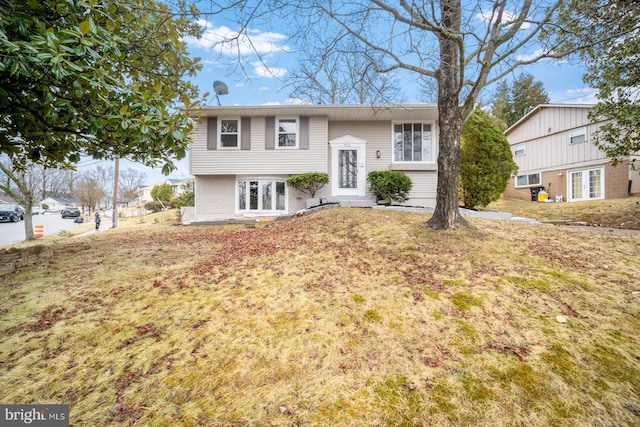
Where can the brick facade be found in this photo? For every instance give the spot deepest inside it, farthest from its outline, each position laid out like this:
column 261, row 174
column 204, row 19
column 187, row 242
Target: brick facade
column 616, row 183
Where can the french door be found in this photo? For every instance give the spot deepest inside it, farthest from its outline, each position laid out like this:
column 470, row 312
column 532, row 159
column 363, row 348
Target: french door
column 586, row 184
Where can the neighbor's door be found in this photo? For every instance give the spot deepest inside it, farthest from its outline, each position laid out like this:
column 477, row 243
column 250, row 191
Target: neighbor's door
column 586, row 184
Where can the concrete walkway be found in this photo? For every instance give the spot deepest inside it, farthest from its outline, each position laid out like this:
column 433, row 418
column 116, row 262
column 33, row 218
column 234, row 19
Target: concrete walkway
column 467, row 213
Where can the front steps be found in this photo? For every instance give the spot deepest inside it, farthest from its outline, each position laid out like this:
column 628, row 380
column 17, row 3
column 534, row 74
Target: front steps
column 352, row 201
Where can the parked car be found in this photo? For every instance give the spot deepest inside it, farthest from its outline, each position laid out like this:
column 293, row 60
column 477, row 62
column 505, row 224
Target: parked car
column 11, row 213
column 36, row 210
column 70, row 212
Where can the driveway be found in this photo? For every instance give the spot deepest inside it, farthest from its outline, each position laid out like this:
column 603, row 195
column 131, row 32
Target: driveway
column 13, row 232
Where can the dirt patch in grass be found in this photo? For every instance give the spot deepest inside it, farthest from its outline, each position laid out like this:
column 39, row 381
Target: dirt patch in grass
column 342, row 317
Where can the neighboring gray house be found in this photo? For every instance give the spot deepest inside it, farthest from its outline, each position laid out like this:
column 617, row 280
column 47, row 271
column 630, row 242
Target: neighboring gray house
column 552, row 146
column 241, row 155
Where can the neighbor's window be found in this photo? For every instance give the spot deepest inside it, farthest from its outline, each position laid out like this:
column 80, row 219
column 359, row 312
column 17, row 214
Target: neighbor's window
column 578, row 135
column 528, row 180
column 412, row 142
column 287, row 133
column 518, row 149
column 261, row 195
column 228, row 133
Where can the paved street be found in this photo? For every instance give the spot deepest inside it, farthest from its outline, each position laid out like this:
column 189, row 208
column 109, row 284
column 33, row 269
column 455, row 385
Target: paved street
column 13, row 232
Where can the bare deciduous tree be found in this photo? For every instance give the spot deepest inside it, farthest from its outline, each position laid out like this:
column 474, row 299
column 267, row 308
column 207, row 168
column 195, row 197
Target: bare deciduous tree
column 89, row 189
column 58, row 182
column 462, row 46
column 130, row 181
column 24, row 185
column 343, row 76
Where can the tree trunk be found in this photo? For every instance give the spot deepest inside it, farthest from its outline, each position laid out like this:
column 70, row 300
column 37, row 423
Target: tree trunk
column 446, row 215
column 28, row 222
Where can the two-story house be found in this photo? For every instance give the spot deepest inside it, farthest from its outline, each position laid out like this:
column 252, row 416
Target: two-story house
column 553, row 148
column 241, row 155
column 143, row 194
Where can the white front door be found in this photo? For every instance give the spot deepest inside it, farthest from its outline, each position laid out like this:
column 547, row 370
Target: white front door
column 348, row 167
column 586, row 184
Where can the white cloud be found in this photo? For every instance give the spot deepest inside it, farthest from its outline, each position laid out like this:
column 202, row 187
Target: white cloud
column 229, row 42
column 532, row 56
column 297, row 101
column 508, row 18
column 264, row 89
column 262, row 70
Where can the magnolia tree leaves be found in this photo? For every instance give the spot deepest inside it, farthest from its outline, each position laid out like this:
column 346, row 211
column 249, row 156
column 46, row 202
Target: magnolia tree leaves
column 99, row 78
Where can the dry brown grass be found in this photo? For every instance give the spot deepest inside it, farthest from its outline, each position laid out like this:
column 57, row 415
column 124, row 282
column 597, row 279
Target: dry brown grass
column 614, row 213
column 342, row 317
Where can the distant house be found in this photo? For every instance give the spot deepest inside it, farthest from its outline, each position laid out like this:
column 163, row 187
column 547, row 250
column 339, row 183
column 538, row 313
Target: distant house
column 241, row 156
column 144, row 193
column 58, row 203
column 553, row 148
column 178, row 185
column 143, row 196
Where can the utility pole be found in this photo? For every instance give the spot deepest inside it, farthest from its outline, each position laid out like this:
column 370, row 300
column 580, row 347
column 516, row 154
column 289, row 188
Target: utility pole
column 116, row 175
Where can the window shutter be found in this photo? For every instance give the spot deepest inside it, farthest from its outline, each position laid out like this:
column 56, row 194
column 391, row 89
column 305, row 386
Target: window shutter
column 245, row 133
column 270, row 133
column 212, row 133
column 303, row 133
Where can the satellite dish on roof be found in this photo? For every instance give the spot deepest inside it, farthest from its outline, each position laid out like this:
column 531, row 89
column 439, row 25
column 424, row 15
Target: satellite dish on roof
column 220, row 88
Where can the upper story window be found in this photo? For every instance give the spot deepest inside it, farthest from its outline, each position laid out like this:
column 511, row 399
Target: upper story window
column 578, row 135
column 518, row 149
column 412, row 142
column 287, row 132
column 229, row 133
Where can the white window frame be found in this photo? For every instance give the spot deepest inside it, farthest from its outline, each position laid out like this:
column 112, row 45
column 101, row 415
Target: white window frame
column 586, row 184
column 529, row 184
column 238, row 134
column 575, row 133
column 260, row 208
column 519, row 149
column 297, row 133
column 432, row 124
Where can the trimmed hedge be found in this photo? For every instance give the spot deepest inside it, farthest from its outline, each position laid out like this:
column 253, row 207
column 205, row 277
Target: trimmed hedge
column 309, row 183
column 391, row 186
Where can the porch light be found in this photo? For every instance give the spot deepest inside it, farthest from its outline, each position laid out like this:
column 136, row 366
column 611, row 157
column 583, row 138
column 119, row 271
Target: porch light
column 378, row 154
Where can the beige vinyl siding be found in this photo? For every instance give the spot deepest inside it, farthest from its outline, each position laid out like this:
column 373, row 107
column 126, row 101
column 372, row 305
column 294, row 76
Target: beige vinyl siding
column 549, row 120
column 547, row 136
column 378, row 135
column 423, row 192
column 258, row 160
